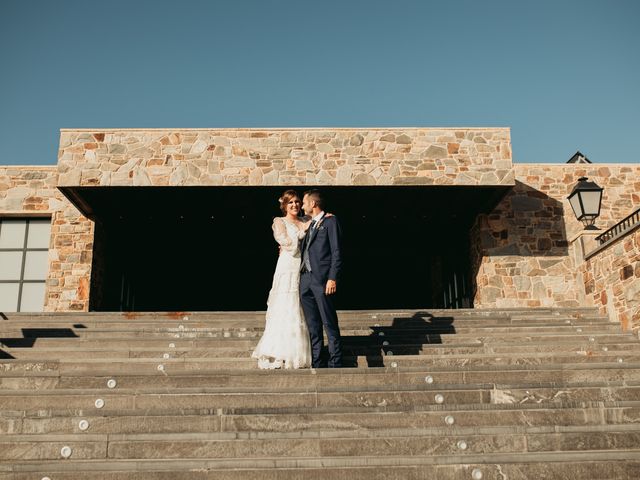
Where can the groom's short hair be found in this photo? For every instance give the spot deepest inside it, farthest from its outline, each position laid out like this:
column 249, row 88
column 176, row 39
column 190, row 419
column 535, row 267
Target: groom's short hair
column 315, row 195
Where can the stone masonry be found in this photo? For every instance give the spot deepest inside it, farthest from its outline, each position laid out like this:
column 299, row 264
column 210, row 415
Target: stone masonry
column 522, row 251
column 263, row 157
column 286, row 157
column 612, row 280
column 31, row 191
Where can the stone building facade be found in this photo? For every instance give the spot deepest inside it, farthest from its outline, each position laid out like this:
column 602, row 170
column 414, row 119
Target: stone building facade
column 523, row 243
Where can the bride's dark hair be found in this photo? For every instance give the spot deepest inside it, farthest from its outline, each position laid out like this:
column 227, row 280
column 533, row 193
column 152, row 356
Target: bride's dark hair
column 286, row 198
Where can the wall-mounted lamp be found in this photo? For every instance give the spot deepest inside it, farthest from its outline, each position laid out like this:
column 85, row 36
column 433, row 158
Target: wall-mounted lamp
column 585, row 199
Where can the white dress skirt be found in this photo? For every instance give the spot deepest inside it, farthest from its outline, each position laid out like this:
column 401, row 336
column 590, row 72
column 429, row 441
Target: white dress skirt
column 285, row 342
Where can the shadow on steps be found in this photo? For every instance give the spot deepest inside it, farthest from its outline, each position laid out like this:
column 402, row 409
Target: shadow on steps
column 405, row 336
column 31, row 335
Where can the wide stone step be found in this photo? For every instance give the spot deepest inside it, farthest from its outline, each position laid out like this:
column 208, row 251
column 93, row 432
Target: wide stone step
column 526, row 416
column 623, row 465
column 390, row 442
column 455, row 313
column 348, row 321
column 566, row 374
column 197, row 398
column 250, row 343
column 349, row 337
column 142, row 366
column 169, row 350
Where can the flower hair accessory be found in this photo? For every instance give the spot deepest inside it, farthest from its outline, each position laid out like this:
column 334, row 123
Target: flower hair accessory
column 281, row 200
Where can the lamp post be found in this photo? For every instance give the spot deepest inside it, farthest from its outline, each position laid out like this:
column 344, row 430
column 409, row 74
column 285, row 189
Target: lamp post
column 585, row 199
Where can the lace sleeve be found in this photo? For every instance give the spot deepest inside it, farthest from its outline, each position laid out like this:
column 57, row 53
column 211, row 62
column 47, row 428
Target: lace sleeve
column 282, row 236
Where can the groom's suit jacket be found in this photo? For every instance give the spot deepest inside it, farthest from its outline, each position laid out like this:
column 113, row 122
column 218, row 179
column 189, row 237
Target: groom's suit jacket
column 324, row 249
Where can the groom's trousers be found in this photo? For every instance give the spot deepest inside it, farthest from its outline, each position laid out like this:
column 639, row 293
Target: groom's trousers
column 319, row 311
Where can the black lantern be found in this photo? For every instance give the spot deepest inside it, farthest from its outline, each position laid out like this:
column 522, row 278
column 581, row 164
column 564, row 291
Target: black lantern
column 585, row 199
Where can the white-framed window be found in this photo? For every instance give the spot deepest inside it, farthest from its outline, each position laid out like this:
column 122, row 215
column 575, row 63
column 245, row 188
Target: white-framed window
column 24, row 252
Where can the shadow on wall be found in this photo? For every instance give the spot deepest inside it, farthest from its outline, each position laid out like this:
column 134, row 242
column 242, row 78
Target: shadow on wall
column 526, row 223
column 405, row 336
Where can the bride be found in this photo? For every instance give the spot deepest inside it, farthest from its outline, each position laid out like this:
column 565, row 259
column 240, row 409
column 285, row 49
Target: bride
column 285, row 341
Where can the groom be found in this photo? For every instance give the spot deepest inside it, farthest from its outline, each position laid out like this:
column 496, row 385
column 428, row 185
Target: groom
column 319, row 271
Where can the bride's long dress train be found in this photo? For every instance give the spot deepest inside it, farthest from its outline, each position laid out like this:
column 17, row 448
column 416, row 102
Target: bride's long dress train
column 285, row 342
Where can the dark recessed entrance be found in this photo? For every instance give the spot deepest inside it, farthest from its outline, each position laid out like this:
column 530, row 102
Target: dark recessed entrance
column 211, row 248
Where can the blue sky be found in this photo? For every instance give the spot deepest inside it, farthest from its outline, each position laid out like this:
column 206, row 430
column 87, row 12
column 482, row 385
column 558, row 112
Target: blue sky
column 564, row 75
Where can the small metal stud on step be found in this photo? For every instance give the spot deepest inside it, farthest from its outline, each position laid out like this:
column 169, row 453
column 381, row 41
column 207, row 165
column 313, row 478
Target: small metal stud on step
column 45, row 478
column 83, row 425
column 99, row 403
column 439, row 398
column 428, row 379
column 394, row 364
column 111, row 383
column 462, row 445
column 620, row 360
column 66, row 452
column 381, row 334
column 385, row 343
column 605, row 349
column 449, row 420
column 165, row 356
column 172, row 345
column 160, row 368
column 579, row 330
column 592, row 339
column 476, row 474
column 185, row 318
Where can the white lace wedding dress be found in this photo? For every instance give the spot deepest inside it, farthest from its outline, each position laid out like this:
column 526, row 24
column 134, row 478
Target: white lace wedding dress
column 285, row 342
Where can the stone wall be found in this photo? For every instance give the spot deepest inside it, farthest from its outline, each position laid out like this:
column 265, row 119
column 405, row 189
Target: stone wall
column 612, row 280
column 31, row 191
column 523, row 245
column 414, row 156
column 411, row 156
column 521, row 253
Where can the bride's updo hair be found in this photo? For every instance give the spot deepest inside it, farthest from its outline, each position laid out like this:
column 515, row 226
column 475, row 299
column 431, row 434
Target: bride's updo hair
column 286, row 198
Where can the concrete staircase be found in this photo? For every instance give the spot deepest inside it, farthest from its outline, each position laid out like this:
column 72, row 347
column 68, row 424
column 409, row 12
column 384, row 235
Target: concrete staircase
column 464, row 394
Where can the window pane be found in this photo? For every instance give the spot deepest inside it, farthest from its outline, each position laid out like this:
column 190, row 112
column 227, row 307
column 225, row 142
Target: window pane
column 8, row 297
column 12, row 233
column 35, row 267
column 39, row 232
column 32, row 297
column 10, row 265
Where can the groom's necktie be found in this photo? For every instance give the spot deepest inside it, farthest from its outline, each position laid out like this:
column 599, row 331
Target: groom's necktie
column 307, row 241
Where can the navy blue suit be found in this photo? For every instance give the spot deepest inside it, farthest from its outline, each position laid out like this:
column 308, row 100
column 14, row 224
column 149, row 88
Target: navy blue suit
column 323, row 243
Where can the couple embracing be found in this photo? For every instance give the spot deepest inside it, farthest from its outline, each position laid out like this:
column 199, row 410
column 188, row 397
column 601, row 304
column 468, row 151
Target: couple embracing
column 300, row 302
